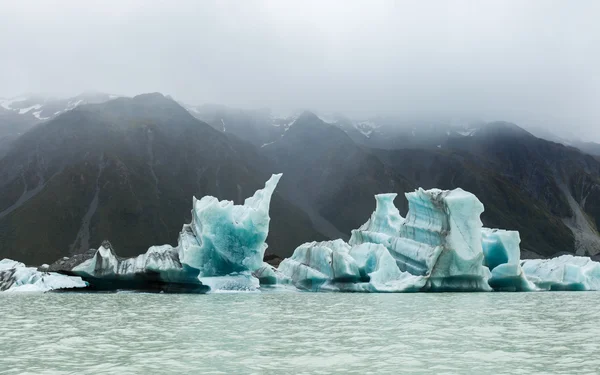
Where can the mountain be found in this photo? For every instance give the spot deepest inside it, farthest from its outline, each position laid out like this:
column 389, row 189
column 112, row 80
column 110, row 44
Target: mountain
column 587, row 147
column 591, row 148
column 19, row 114
column 259, row 127
column 126, row 170
column 330, row 173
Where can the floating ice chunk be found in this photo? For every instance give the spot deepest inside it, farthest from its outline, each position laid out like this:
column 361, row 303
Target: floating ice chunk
column 502, row 256
column 16, row 277
column 224, row 238
column 335, row 266
column 315, row 264
column 567, row 272
column 440, row 238
column 158, row 269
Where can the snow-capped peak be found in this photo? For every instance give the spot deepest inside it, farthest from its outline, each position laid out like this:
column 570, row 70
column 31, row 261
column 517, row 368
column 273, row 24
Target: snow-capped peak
column 40, row 107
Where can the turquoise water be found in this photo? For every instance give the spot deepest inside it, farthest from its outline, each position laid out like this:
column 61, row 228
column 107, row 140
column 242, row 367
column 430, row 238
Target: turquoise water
column 300, row 333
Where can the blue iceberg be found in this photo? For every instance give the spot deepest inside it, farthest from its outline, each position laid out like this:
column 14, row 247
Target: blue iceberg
column 337, row 266
column 503, row 257
column 440, row 239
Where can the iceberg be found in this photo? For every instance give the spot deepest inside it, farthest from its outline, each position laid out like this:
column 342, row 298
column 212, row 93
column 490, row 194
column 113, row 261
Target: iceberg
column 336, row 266
column 440, row 239
column 318, row 265
column 16, row 277
column 566, row 272
column 503, row 257
column 224, row 238
column 219, row 250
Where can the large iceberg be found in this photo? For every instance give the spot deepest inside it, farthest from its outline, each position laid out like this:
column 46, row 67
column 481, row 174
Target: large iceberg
column 566, row 272
column 440, row 239
column 16, row 277
column 503, row 257
column 219, row 249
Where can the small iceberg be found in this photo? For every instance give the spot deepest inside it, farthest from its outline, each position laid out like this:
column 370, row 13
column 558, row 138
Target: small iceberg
column 16, row 277
column 566, row 272
column 503, row 257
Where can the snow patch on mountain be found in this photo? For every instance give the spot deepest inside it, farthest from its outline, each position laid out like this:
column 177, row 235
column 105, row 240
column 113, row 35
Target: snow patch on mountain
column 25, row 110
column 7, row 103
column 366, row 128
column 37, row 114
column 466, row 132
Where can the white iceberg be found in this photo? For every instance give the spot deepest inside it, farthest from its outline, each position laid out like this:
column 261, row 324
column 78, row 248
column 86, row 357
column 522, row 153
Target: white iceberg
column 16, row 277
column 566, row 272
column 503, row 257
column 440, row 239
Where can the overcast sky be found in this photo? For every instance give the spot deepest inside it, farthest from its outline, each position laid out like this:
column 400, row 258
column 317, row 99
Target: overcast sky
column 526, row 61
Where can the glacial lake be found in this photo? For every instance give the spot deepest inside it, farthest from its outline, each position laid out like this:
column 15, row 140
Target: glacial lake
column 300, row 333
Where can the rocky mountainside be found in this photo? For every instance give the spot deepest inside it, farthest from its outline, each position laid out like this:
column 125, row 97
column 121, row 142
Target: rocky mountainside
column 330, row 174
column 126, row 170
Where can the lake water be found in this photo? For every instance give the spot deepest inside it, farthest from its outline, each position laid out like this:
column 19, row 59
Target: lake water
column 300, row 333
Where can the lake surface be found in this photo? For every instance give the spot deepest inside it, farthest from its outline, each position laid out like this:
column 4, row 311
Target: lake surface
column 300, row 333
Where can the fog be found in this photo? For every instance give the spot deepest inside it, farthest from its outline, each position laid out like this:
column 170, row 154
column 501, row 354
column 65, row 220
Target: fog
column 532, row 62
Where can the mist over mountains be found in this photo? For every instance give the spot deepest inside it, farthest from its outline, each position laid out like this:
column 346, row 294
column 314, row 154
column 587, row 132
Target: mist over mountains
column 125, row 169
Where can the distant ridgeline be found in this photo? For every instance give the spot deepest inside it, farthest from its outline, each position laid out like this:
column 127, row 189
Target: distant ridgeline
column 440, row 246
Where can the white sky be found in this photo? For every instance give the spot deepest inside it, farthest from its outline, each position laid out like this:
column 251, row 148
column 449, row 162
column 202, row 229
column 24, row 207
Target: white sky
column 526, row 61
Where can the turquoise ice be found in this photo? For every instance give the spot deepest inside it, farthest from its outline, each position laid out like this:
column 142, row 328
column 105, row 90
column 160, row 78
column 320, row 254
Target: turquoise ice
column 337, row 266
column 503, row 257
column 566, row 272
column 440, row 239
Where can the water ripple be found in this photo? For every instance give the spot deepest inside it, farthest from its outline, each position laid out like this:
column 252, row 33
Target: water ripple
column 300, row 333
